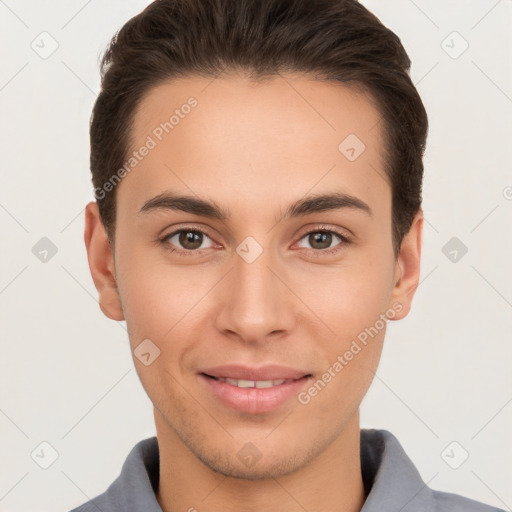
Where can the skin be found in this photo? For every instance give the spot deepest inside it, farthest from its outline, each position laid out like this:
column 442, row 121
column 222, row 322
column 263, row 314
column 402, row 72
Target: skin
column 254, row 148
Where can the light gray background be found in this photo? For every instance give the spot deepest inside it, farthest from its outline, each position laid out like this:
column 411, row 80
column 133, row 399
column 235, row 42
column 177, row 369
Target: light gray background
column 66, row 372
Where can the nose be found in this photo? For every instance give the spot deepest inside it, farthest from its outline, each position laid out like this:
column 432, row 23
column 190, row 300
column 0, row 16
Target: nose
column 255, row 301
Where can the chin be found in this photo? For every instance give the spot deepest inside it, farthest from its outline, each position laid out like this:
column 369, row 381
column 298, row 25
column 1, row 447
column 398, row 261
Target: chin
column 259, row 471
column 260, row 468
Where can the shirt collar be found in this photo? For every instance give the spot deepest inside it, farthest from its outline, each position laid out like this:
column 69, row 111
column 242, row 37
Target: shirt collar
column 396, row 485
column 392, row 483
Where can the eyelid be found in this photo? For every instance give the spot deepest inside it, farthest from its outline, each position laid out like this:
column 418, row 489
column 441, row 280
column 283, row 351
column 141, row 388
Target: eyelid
column 190, row 227
column 344, row 234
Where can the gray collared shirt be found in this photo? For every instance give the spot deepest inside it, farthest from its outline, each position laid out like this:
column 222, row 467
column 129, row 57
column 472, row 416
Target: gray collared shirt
column 392, row 482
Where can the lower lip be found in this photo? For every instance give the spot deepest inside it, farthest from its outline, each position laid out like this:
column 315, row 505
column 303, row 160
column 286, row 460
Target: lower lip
column 254, row 400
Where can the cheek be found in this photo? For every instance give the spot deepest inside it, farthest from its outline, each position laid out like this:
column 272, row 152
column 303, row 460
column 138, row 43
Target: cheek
column 160, row 304
column 352, row 302
column 157, row 298
column 348, row 298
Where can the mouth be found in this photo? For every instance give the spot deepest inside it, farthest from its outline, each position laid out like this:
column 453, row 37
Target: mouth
column 260, row 384
column 253, row 390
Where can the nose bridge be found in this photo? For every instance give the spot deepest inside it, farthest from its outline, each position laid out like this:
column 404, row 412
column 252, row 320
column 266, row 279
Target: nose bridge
column 255, row 300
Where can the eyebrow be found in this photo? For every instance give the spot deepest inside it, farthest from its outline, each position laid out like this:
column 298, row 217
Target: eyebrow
column 206, row 208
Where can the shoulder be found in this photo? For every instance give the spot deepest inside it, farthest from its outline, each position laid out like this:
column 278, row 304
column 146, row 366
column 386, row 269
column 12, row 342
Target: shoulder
column 450, row 502
column 96, row 504
column 393, row 482
column 134, row 489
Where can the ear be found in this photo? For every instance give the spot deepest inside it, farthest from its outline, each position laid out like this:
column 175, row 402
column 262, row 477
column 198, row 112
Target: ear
column 101, row 263
column 407, row 267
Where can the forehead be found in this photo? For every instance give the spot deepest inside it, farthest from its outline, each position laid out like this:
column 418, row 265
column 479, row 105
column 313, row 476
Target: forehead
column 232, row 133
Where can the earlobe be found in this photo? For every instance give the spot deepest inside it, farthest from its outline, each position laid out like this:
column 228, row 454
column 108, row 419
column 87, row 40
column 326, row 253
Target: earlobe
column 408, row 267
column 101, row 263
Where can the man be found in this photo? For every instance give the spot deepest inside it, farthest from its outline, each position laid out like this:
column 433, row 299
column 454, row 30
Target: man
column 257, row 167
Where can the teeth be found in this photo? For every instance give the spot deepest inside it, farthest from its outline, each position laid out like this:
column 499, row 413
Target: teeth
column 244, row 383
column 241, row 383
column 268, row 383
column 265, row 384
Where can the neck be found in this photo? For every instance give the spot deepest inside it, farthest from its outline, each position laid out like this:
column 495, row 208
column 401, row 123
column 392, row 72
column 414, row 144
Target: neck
column 331, row 481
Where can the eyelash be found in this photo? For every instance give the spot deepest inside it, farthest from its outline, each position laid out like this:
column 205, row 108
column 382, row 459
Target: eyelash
column 317, row 252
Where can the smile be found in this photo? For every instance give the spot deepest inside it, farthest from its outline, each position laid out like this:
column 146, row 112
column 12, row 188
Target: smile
column 253, row 390
column 241, row 383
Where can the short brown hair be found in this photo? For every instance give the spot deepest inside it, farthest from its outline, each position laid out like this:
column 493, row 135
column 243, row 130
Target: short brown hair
column 336, row 40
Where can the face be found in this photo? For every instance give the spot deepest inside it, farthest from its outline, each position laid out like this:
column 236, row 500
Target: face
column 285, row 297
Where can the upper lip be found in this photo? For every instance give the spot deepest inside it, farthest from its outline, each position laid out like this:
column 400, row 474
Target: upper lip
column 267, row 372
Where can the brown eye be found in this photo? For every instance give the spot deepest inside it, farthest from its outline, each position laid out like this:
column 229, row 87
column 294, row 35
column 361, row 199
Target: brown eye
column 186, row 241
column 320, row 240
column 190, row 239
